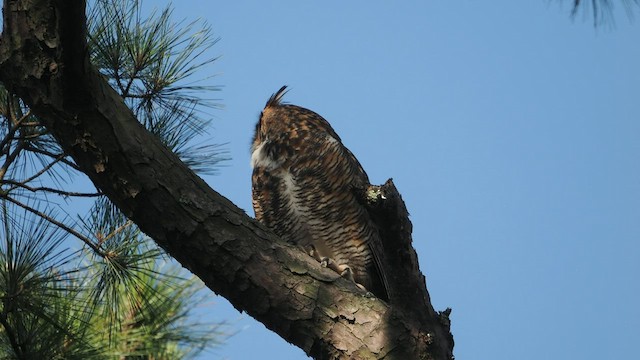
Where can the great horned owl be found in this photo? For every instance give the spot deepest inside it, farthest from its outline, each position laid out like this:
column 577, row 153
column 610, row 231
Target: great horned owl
column 304, row 188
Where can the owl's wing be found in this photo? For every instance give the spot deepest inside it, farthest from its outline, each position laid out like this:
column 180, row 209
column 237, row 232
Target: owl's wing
column 344, row 169
column 266, row 198
column 258, row 192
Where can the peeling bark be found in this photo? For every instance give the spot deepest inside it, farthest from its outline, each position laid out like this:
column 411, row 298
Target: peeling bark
column 43, row 59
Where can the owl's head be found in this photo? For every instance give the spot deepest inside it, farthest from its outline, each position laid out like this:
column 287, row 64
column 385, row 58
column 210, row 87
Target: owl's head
column 282, row 122
column 274, row 118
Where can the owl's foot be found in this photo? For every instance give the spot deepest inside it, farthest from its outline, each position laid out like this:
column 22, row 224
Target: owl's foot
column 327, row 262
column 347, row 273
column 344, row 270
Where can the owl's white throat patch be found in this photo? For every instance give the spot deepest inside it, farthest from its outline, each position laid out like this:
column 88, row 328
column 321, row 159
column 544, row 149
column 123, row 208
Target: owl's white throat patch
column 261, row 159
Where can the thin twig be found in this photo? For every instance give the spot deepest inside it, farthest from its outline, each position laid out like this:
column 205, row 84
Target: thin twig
column 116, row 231
column 15, row 124
column 10, row 158
column 43, row 170
column 55, row 156
column 23, row 185
column 36, row 135
column 12, row 130
column 48, row 218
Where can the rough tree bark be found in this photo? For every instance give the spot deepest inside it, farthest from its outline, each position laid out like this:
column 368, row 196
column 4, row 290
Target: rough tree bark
column 44, row 59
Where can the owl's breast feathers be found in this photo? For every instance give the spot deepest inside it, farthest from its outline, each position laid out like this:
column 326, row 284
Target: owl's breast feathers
column 304, row 188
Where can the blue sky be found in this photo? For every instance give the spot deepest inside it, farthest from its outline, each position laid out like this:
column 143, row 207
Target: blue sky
column 511, row 131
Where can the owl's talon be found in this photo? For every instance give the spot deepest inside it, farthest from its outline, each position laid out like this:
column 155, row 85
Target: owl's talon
column 327, row 262
column 311, row 250
column 344, row 270
column 347, row 273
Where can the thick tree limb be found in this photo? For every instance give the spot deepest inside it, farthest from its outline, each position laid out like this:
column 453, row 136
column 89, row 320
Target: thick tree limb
column 43, row 59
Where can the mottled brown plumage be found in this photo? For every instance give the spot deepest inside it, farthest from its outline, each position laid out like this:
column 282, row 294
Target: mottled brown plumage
column 305, row 185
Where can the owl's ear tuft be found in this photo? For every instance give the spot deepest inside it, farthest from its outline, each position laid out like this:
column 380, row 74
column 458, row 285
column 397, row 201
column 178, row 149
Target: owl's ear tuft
column 276, row 99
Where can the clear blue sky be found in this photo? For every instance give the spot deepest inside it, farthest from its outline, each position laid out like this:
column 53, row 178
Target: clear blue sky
column 512, row 132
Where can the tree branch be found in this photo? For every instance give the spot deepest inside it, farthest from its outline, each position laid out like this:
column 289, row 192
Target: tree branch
column 43, row 58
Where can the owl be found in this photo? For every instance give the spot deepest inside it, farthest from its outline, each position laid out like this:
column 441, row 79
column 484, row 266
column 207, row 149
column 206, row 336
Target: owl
column 305, row 187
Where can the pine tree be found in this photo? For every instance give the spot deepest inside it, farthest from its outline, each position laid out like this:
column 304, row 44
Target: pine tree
column 94, row 286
